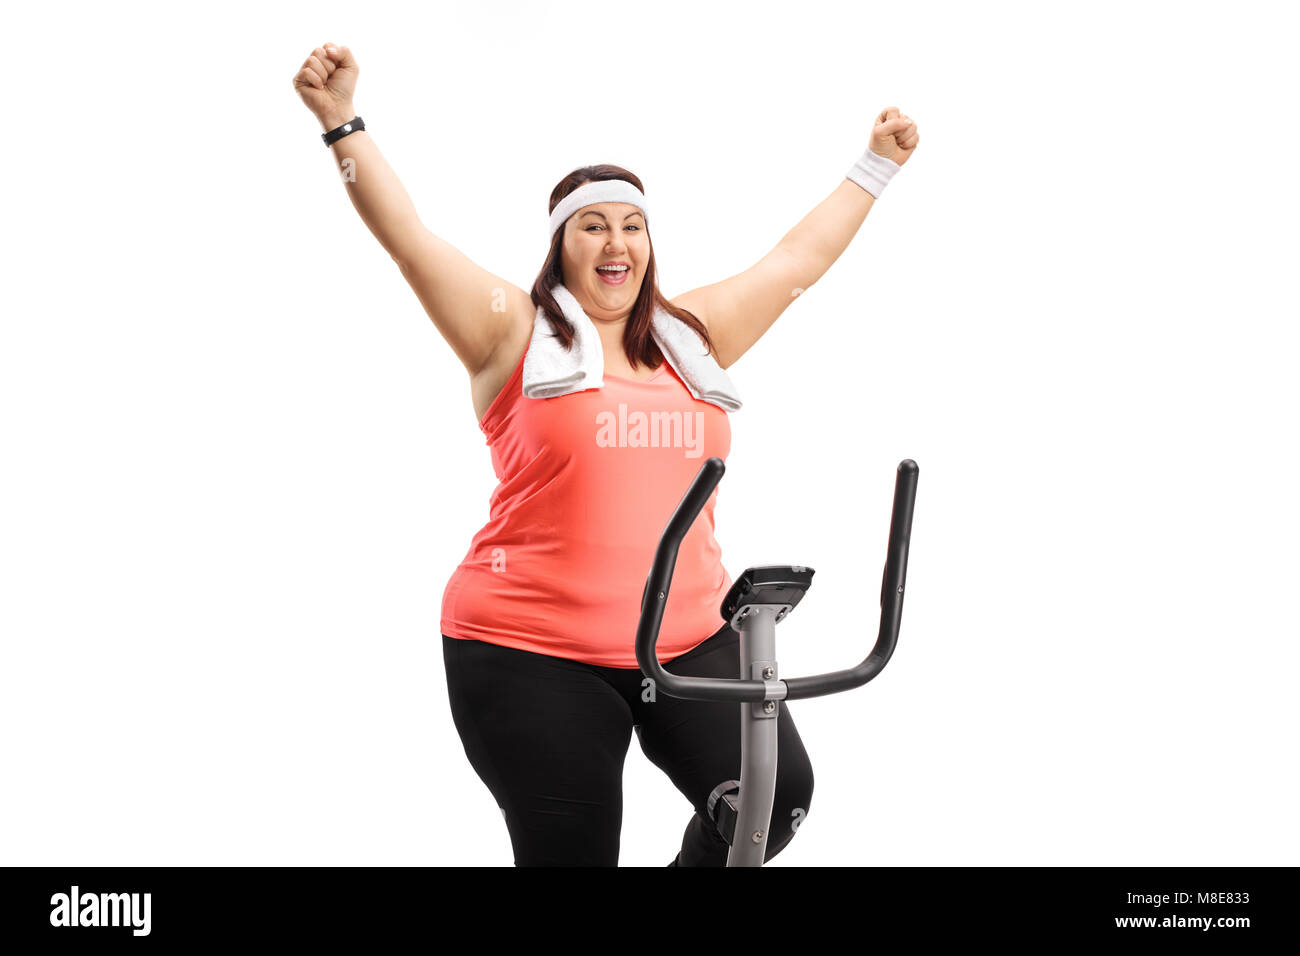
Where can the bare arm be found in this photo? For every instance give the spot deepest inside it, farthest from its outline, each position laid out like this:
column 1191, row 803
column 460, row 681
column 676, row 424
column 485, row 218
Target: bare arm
column 739, row 310
column 822, row 236
column 472, row 308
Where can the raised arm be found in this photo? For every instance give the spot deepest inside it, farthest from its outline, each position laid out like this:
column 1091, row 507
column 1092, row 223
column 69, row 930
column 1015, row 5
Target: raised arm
column 472, row 308
column 737, row 311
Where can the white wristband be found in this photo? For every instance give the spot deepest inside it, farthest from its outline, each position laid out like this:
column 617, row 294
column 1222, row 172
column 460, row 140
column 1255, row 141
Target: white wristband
column 873, row 172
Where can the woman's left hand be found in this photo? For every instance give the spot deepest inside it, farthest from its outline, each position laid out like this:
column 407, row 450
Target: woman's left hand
column 894, row 135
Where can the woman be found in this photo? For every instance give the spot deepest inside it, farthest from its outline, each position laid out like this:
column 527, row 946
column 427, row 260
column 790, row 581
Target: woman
column 538, row 621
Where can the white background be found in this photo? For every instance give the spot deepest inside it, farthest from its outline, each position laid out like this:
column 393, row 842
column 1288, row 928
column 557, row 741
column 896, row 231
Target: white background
column 240, row 463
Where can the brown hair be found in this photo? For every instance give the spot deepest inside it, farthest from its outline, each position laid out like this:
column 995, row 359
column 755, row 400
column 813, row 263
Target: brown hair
column 638, row 344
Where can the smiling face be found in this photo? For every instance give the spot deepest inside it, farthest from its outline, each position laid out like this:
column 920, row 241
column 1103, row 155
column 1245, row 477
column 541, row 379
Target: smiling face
column 605, row 234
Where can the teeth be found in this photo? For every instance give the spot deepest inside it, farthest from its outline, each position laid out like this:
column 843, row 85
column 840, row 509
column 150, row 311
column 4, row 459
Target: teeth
column 612, row 268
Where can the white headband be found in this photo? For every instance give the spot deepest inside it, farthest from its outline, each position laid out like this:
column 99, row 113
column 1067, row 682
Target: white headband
column 605, row 190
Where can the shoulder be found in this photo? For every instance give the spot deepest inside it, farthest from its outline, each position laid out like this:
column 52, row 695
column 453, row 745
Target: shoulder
column 519, row 330
column 696, row 303
column 488, row 383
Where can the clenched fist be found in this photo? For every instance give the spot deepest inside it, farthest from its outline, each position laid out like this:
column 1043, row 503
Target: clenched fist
column 894, row 136
column 326, row 82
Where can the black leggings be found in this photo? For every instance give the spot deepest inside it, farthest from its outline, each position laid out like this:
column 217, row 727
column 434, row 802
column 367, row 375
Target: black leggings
column 548, row 735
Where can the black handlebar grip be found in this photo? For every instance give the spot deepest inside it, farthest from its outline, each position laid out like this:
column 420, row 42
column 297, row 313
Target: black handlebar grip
column 655, row 597
column 891, row 599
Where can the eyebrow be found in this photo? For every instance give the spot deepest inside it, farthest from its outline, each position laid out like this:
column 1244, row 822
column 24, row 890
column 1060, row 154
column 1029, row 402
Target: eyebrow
column 592, row 212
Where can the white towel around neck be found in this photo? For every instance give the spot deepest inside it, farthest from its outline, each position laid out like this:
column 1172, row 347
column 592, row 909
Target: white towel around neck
column 549, row 370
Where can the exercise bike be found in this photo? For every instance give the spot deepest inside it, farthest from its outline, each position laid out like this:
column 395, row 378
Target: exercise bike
column 758, row 600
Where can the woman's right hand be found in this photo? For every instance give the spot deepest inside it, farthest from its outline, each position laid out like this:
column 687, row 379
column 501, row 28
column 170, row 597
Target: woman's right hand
column 326, row 82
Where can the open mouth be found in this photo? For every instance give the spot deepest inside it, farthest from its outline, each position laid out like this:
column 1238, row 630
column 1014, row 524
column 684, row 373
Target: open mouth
column 615, row 275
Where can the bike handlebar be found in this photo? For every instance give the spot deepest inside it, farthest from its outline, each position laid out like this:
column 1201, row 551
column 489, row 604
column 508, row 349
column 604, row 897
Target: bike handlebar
column 723, row 689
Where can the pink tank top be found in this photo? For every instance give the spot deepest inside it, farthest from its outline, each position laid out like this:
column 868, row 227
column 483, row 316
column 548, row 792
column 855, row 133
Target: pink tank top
column 588, row 482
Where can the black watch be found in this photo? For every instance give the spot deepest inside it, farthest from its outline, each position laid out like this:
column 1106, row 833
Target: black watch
column 336, row 134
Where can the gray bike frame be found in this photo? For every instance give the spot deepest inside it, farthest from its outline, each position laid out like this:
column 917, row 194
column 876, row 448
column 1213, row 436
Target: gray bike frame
column 758, row 687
